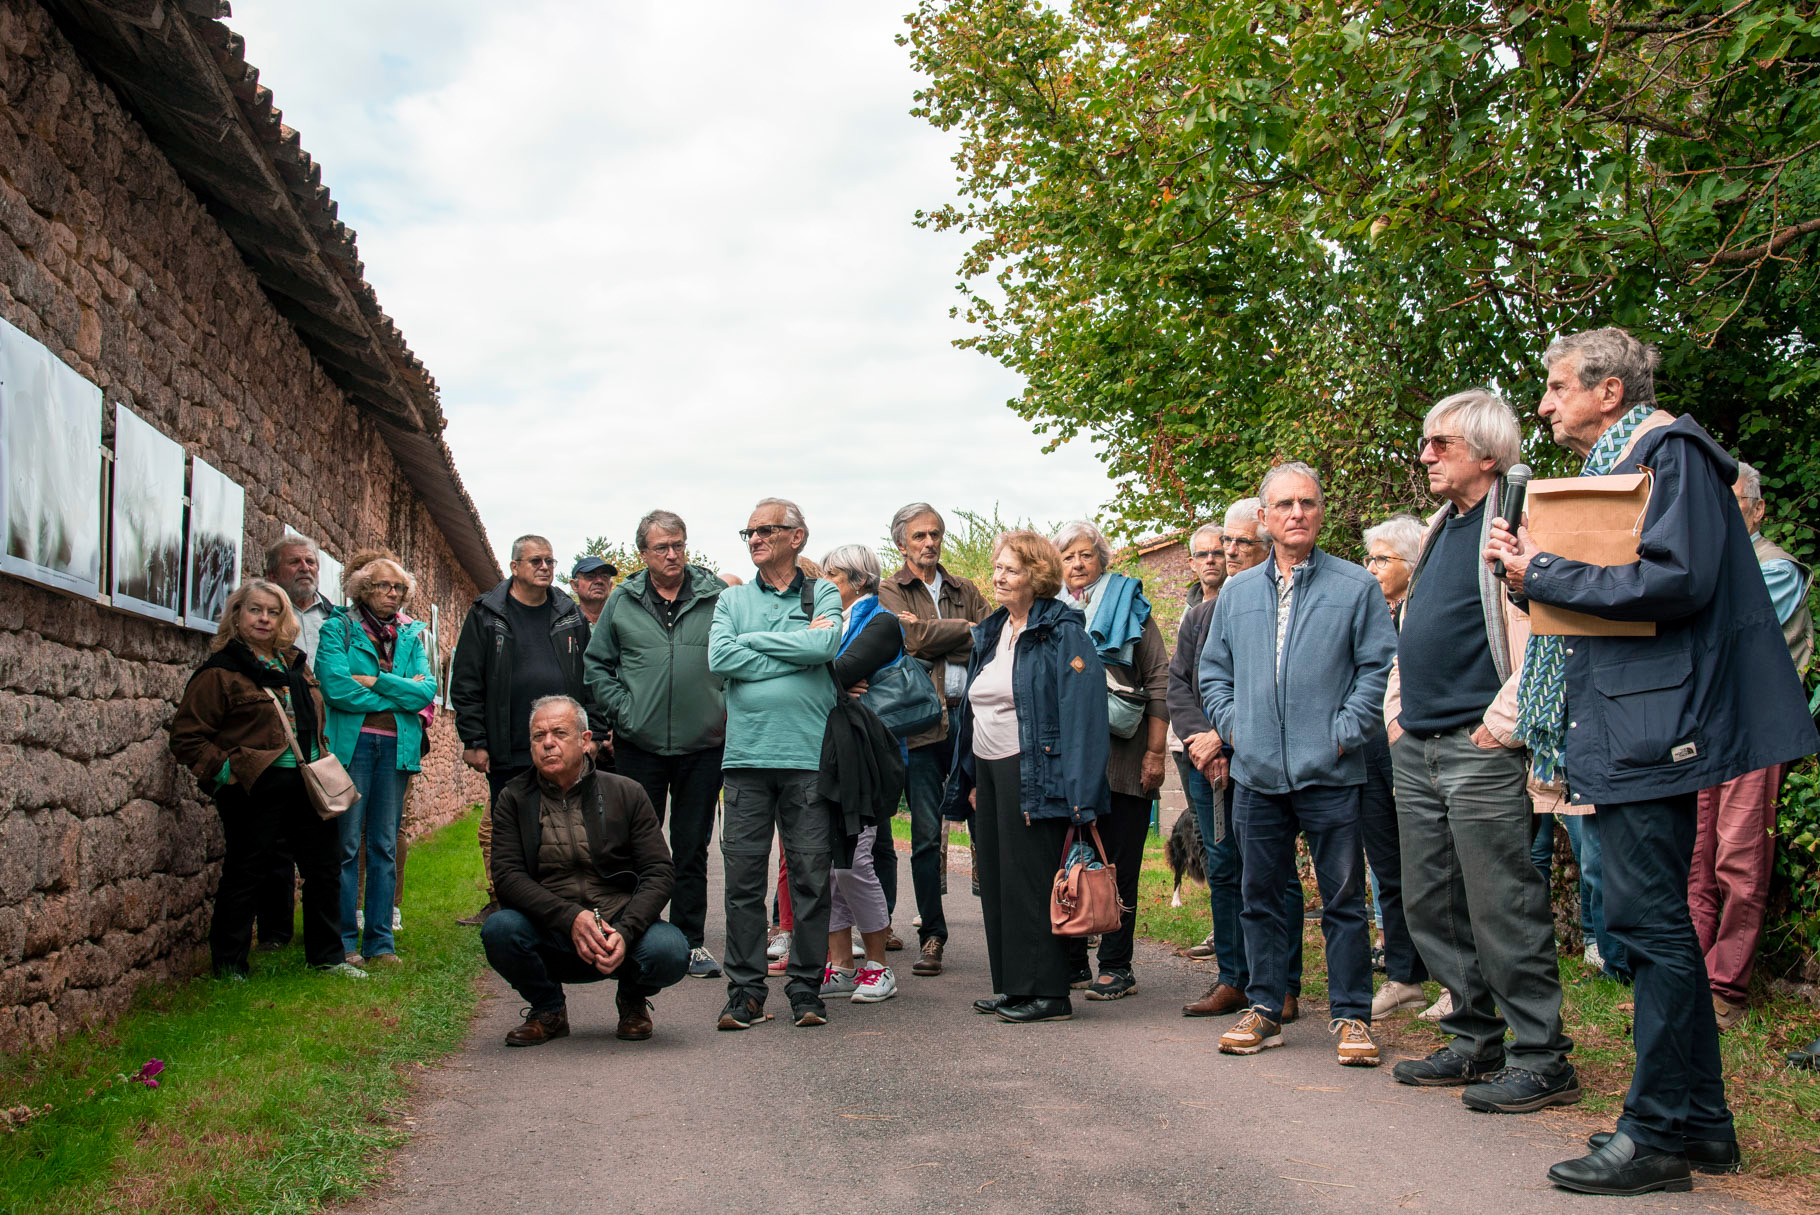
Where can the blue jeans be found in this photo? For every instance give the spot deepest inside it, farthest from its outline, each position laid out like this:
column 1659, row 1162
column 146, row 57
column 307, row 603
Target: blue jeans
column 1267, row 824
column 537, row 961
column 379, row 812
column 925, row 772
column 1583, row 838
column 1223, row 889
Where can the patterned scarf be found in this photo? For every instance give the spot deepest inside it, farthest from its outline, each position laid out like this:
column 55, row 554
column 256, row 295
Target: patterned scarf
column 1542, row 696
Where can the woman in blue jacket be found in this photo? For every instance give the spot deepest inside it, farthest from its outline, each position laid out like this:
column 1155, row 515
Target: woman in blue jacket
column 376, row 677
column 1030, row 755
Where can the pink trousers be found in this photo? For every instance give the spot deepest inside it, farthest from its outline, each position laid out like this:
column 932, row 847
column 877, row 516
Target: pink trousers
column 1728, row 886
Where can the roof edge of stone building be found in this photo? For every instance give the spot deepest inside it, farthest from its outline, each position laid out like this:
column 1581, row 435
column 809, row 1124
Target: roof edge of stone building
column 183, row 75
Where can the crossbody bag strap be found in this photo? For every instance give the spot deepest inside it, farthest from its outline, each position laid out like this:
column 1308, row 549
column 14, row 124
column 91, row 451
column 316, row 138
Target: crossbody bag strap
column 284, row 719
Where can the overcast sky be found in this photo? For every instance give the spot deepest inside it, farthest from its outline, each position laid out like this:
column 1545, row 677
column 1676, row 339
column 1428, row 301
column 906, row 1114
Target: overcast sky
column 662, row 254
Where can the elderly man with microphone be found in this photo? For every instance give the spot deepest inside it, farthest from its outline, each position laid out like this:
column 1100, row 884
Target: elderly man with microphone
column 1477, row 908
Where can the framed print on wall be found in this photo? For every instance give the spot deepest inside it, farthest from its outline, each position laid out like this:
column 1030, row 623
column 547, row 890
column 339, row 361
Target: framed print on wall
column 50, row 468
column 148, row 518
column 217, row 531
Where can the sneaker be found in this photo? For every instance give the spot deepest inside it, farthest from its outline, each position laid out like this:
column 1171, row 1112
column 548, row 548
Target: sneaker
column 1113, row 985
column 874, row 985
column 1440, row 1008
column 346, row 970
column 742, row 1012
column 808, row 1011
column 859, row 950
column 1517, row 1090
column 1204, row 950
column 1446, row 1066
column 1394, row 997
column 916, row 921
column 1593, row 957
column 837, row 982
column 397, row 919
column 1252, row 1033
column 777, row 966
column 360, row 920
column 1356, row 1048
column 702, row 964
column 779, row 946
column 929, row 962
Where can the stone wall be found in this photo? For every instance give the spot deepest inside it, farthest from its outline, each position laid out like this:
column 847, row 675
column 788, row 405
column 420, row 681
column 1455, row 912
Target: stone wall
column 108, row 855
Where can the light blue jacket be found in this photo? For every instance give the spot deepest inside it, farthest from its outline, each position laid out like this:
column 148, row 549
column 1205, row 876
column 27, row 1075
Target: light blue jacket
column 1309, row 725
column 775, row 670
column 343, row 651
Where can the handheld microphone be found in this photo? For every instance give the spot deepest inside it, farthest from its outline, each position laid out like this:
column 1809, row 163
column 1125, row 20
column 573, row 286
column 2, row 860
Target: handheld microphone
column 1518, row 477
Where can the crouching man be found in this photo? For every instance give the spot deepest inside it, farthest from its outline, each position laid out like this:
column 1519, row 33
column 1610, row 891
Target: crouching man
column 582, row 873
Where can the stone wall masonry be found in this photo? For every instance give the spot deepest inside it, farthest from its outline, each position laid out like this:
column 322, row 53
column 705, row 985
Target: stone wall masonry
column 108, row 853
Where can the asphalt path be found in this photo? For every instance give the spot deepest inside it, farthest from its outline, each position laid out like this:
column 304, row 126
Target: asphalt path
column 921, row 1105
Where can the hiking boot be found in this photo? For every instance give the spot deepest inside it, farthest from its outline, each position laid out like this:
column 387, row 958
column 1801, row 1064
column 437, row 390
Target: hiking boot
column 1517, row 1090
column 1204, row 950
column 1394, row 997
column 540, row 1027
column 742, row 1012
column 1446, row 1066
column 837, row 982
column 634, row 1017
column 1220, row 999
column 1440, row 1008
column 874, row 985
column 1113, row 985
column 1356, row 1048
column 479, row 917
column 1726, row 1014
column 807, row 1011
column 1291, row 1010
column 930, row 961
column 1704, row 1155
column 702, row 964
column 1250, row 1034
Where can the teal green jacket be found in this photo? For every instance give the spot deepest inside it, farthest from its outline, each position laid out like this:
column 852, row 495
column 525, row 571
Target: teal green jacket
column 775, row 670
column 343, row 651
column 652, row 680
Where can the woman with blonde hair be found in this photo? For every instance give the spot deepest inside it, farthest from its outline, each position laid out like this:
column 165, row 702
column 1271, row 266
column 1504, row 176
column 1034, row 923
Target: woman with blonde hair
column 377, row 677
column 232, row 729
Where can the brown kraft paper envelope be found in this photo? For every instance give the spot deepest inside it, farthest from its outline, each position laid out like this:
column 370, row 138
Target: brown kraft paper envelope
column 1596, row 520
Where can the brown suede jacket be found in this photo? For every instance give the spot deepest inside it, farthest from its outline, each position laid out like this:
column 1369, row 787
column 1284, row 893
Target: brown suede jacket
column 936, row 639
column 226, row 718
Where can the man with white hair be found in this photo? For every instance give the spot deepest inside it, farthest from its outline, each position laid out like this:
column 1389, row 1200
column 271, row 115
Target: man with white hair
column 1243, row 537
column 1293, row 670
column 771, row 642
column 1478, row 909
column 583, row 873
column 1735, row 843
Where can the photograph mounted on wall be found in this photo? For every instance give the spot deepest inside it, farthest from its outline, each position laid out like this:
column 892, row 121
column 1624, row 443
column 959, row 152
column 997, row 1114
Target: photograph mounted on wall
column 148, row 518
column 328, row 577
column 50, row 467
column 217, row 527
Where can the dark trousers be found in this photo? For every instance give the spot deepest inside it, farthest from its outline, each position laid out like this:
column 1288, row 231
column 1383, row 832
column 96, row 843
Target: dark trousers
column 537, row 961
column 690, row 785
column 1123, row 832
column 1478, row 908
column 1267, row 824
column 1677, row 1091
column 759, row 803
column 275, row 814
column 1017, row 864
column 1378, row 822
column 925, row 772
column 275, row 905
column 1224, row 870
column 884, row 864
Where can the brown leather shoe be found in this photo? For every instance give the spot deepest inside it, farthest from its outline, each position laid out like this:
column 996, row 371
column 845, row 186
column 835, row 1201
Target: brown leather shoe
column 1289, row 1010
column 479, row 917
column 634, row 1018
column 1221, row 998
column 930, row 963
column 893, row 942
column 539, row 1028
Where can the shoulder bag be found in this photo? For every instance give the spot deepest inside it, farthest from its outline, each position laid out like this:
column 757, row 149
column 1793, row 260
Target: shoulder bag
column 1085, row 898
column 331, row 789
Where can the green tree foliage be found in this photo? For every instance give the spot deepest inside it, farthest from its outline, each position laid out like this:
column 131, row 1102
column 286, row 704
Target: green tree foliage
column 1216, row 233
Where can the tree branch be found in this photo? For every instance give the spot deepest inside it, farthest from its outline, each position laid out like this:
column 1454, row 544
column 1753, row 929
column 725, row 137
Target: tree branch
column 1769, row 248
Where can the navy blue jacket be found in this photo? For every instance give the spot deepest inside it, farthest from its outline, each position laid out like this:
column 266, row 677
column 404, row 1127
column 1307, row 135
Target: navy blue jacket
column 1059, row 686
column 1713, row 694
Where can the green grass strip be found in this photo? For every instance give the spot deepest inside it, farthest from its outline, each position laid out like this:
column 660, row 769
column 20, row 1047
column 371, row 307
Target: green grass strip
column 279, row 1094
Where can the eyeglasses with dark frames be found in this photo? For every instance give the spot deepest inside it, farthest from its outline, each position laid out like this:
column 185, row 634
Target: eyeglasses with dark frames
column 1439, row 442
column 676, row 549
column 539, row 562
column 763, row 531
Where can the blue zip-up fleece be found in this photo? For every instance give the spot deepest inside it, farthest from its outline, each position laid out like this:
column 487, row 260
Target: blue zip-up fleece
column 1059, row 685
column 1308, row 727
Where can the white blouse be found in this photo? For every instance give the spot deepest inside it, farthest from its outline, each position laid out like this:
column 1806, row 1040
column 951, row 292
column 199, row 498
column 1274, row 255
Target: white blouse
column 994, row 710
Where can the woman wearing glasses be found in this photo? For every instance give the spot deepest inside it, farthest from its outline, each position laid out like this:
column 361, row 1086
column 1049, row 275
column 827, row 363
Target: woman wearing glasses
column 376, row 677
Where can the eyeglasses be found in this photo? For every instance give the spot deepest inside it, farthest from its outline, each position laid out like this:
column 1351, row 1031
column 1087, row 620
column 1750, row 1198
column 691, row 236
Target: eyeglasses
column 1204, row 554
column 672, row 550
column 1240, row 542
column 1372, row 563
column 540, row 562
column 1439, row 442
column 763, row 531
column 1308, row 505
column 388, row 588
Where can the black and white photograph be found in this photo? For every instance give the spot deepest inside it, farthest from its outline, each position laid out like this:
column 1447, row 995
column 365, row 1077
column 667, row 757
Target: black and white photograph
column 217, row 525
column 148, row 518
column 50, row 467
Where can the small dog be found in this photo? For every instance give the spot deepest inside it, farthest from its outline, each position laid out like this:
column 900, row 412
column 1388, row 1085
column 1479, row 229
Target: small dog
column 1183, row 851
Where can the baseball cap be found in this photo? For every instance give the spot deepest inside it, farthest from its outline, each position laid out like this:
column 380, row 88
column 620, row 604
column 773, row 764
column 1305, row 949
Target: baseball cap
column 594, row 565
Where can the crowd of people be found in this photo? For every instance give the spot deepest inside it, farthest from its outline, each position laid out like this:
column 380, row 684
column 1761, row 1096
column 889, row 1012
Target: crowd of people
column 1399, row 716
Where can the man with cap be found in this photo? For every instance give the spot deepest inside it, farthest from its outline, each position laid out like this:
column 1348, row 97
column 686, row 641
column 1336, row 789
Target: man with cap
column 592, row 581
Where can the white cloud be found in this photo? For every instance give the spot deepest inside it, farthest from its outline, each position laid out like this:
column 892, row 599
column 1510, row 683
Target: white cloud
column 662, row 255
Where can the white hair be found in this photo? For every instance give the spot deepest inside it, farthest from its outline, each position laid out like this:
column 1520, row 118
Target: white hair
column 557, row 702
column 793, row 514
column 1069, row 534
column 1206, row 529
column 1299, row 469
column 1486, row 422
column 1750, row 481
column 1609, row 352
column 858, row 564
column 1403, row 532
column 1245, row 510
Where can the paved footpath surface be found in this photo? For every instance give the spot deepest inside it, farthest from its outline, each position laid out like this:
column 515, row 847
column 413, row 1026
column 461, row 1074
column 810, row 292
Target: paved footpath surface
column 921, row 1105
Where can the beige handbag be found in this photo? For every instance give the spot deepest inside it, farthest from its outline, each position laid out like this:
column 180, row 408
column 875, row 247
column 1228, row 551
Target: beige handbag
column 330, row 787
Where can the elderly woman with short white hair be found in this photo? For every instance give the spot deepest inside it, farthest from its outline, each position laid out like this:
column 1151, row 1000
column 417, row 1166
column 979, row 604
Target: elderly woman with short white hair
column 377, row 678
column 1125, row 634
column 1392, row 549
